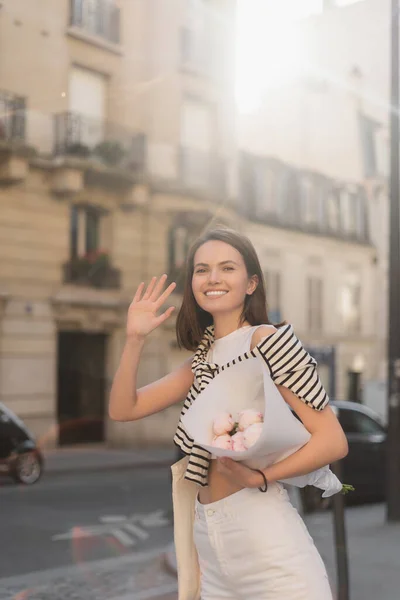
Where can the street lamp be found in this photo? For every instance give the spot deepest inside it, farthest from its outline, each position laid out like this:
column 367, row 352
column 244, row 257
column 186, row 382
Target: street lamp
column 393, row 443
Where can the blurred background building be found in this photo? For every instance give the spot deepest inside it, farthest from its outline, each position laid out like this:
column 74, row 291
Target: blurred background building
column 120, row 142
column 323, row 108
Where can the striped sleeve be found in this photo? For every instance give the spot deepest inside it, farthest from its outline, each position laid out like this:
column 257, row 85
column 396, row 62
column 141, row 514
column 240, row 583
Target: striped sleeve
column 291, row 366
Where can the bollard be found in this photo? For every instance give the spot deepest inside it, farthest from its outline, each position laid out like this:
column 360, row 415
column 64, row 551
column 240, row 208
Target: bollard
column 339, row 524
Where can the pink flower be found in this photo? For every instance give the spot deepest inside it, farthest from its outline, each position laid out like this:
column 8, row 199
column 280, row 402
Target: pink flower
column 248, row 417
column 222, row 441
column 238, row 442
column 251, row 434
column 223, row 423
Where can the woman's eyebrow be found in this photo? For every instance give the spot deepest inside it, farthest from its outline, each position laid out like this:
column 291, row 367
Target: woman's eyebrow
column 224, row 262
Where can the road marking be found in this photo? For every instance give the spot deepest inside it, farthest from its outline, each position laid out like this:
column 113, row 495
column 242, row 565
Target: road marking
column 127, row 530
column 39, row 577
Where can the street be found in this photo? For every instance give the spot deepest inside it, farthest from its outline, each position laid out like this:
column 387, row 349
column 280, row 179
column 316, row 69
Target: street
column 68, row 520
column 95, row 534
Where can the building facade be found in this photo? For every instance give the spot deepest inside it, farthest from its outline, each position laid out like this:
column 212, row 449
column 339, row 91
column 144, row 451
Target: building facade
column 331, row 118
column 115, row 127
column 117, row 148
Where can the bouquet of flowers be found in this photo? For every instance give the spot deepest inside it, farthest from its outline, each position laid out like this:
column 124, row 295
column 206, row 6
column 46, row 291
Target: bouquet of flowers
column 237, row 434
column 241, row 414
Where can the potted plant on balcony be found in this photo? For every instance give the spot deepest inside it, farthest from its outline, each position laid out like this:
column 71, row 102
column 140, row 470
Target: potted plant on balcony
column 93, row 268
column 111, row 153
column 77, row 149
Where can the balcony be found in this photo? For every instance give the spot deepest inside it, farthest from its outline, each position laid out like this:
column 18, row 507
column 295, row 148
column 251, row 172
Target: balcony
column 98, row 18
column 12, row 117
column 92, row 270
column 202, row 171
column 83, row 137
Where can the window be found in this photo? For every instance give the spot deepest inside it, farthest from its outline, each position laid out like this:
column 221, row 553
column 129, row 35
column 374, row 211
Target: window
column 180, row 238
column 355, row 422
column 87, row 103
column 349, row 210
column 195, row 38
column 289, row 197
column 314, row 303
column 350, row 303
column 333, row 212
column 84, row 232
column 197, row 141
column 361, row 207
column 273, row 290
column 309, row 201
column 97, row 17
column 264, row 188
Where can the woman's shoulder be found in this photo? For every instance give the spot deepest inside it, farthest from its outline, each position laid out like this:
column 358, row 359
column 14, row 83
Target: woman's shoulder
column 266, row 330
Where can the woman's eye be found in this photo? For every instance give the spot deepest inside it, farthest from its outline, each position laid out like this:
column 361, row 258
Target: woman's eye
column 228, row 268
column 199, row 271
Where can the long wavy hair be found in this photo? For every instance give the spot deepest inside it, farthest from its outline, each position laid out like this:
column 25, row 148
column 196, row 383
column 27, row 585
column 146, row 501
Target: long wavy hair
column 192, row 320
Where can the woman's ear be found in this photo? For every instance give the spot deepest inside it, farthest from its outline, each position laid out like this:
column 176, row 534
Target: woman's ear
column 253, row 283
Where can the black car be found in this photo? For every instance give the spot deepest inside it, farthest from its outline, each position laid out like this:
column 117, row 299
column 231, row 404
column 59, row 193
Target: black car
column 364, row 465
column 19, row 456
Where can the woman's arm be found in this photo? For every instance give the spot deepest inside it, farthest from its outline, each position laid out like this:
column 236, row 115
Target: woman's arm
column 327, row 444
column 126, row 402
column 290, row 365
column 129, row 404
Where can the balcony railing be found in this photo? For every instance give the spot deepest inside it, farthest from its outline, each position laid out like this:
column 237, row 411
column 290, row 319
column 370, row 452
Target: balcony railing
column 82, row 136
column 203, row 171
column 100, row 18
column 12, row 117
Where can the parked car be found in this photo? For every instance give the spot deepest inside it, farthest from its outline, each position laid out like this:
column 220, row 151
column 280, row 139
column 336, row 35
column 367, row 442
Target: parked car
column 364, row 466
column 19, row 456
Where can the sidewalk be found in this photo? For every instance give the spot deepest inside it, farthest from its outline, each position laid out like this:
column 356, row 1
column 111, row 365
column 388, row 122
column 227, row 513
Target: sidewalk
column 96, row 458
column 373, row 545
column 373, row 551
column 138, row 576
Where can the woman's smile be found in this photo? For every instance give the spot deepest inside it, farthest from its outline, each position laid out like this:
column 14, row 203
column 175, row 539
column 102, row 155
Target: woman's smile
column 215, row 293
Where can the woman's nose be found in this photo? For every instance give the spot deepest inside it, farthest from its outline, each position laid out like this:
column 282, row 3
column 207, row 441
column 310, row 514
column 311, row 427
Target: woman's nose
column 214, row 276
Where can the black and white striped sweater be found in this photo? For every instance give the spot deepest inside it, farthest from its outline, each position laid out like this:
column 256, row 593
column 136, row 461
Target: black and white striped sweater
column 289, row 364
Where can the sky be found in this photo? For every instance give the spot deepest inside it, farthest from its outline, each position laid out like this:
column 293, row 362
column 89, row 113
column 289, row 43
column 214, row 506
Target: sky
column 270, row 48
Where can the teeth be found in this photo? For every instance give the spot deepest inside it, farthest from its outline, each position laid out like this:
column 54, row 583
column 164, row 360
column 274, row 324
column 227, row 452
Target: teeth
column 215, row 293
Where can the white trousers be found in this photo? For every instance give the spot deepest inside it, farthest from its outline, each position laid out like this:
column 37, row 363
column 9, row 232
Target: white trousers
column 255, row 546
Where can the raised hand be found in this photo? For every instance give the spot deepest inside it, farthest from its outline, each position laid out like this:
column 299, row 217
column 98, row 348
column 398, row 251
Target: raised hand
column 142, row 313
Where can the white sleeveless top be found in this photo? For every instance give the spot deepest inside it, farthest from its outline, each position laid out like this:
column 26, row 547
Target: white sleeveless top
column 225, row 349
column 289, row 364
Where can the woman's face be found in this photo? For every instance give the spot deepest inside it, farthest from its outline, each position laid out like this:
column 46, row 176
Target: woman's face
column 220, row 281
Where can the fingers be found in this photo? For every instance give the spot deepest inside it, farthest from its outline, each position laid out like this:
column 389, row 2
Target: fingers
column 165, row 295
column 165, row 315
column 153, row 290
column 150, row 288
column 139, row 291
column 158, row 288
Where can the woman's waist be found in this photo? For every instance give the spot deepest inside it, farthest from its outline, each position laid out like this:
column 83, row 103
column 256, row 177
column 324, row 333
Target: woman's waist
column 218, row 486
column 244, row 499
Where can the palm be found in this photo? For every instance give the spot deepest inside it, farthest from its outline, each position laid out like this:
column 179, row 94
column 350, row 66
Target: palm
column 143, row 314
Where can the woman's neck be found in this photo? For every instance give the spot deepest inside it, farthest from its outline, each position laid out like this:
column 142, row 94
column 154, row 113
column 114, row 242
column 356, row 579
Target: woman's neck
column 225, row 326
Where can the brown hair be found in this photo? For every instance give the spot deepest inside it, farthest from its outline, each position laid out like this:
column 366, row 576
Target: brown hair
column 192, row 320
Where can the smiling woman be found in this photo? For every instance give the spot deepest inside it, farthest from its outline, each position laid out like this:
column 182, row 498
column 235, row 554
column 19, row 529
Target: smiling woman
column 223, row 319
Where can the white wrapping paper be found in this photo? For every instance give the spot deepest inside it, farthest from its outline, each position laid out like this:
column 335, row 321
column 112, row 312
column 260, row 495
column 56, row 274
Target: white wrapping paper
column 246, row 385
